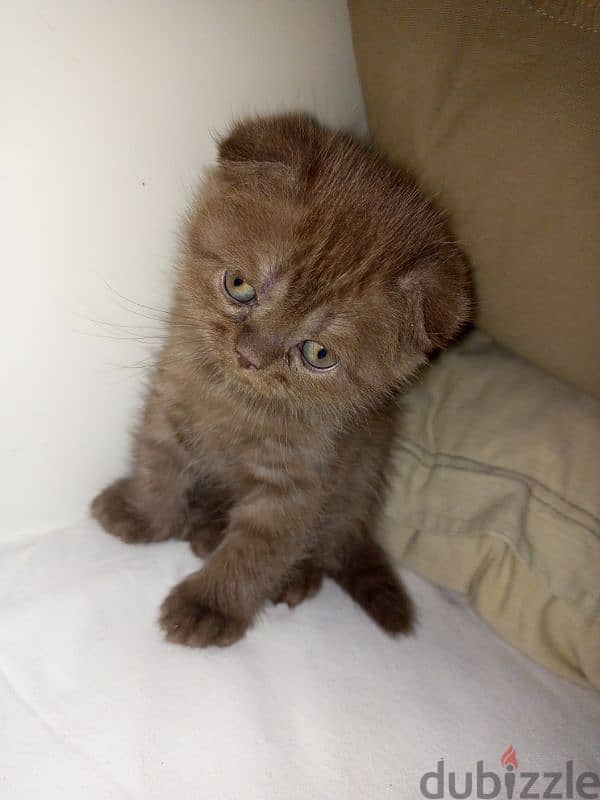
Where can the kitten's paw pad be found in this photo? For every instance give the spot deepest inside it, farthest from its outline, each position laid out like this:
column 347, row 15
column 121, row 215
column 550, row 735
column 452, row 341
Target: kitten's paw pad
column 304, row 582
column 117, row 516
column 186, row 619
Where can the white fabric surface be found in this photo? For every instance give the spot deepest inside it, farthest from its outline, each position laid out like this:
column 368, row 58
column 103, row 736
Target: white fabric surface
column 314, row 703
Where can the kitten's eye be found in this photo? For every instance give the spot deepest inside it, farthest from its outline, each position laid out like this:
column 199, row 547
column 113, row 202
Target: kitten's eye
column 317, row 356
column 238, row 288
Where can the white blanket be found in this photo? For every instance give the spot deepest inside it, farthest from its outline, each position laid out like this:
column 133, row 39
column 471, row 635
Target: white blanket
column 313, row 704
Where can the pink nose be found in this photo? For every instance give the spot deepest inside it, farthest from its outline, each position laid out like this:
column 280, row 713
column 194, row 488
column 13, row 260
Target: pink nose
column 246, row 358
column 256, row 349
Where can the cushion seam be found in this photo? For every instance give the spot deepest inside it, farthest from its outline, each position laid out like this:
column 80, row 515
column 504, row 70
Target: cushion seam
column 546, row 578
column 482, row 467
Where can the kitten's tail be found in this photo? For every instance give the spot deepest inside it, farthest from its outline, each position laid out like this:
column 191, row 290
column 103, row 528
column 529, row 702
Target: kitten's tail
column 371, row 581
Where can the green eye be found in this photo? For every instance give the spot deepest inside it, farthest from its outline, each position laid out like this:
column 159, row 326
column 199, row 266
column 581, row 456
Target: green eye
column 238, row 288
column 317, row 356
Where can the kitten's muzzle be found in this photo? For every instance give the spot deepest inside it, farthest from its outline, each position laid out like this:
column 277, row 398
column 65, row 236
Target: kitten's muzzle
column 245, row 361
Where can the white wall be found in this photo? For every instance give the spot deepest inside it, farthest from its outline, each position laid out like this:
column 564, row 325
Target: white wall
column 106, row 112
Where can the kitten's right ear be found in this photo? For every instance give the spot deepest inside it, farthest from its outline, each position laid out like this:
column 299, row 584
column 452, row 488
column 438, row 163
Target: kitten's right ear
column 283, row 139
column 438, row 296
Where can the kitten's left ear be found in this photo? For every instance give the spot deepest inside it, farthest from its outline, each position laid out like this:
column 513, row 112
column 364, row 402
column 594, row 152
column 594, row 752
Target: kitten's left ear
column 285, row 139
column 438, row 296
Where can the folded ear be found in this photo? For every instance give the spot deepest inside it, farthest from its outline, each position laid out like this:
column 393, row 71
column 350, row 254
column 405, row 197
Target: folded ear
column 438, row 298
column 285, row 138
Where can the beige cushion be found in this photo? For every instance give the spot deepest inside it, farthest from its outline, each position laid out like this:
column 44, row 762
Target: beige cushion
column 495, row 493
column 496, row 106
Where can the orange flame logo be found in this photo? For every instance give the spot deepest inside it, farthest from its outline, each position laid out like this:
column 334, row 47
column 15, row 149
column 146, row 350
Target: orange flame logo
column 509, row 757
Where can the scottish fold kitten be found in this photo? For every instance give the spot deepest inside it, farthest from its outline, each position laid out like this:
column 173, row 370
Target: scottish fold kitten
column 315, row 280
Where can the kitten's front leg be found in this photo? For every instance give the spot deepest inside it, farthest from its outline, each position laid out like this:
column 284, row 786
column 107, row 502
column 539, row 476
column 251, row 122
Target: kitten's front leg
column 268, row 532
column 149, row 505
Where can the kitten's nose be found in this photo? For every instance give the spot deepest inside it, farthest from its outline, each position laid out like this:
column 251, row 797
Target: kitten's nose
column 256, row 348
column 247, row 359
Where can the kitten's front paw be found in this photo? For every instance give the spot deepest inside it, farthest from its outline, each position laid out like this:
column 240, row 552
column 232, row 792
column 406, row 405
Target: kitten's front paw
column 187, row 618
column 114, row 511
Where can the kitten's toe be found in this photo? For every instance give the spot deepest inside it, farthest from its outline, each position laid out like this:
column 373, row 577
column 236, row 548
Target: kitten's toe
column 304, row 582
column 115, row 512
column 187, row 619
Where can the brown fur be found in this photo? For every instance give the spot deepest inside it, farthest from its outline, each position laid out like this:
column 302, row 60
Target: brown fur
column 277, row 472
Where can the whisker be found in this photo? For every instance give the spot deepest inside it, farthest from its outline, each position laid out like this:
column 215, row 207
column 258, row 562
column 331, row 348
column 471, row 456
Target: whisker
column 165, row 314
column 132, row 338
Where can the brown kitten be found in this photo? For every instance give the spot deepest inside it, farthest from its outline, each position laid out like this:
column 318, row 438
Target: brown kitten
column 315, row 280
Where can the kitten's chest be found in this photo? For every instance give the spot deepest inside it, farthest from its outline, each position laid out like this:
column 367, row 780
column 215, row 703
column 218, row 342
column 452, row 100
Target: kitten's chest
column 239, row 444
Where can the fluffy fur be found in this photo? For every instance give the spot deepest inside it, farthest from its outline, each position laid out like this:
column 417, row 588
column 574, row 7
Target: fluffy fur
column 272, row 469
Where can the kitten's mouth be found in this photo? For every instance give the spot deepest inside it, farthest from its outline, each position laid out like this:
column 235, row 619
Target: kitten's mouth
column 244, row 376
column 258, row 384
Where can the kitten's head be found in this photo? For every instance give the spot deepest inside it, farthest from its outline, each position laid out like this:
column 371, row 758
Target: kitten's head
column 315, row 272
